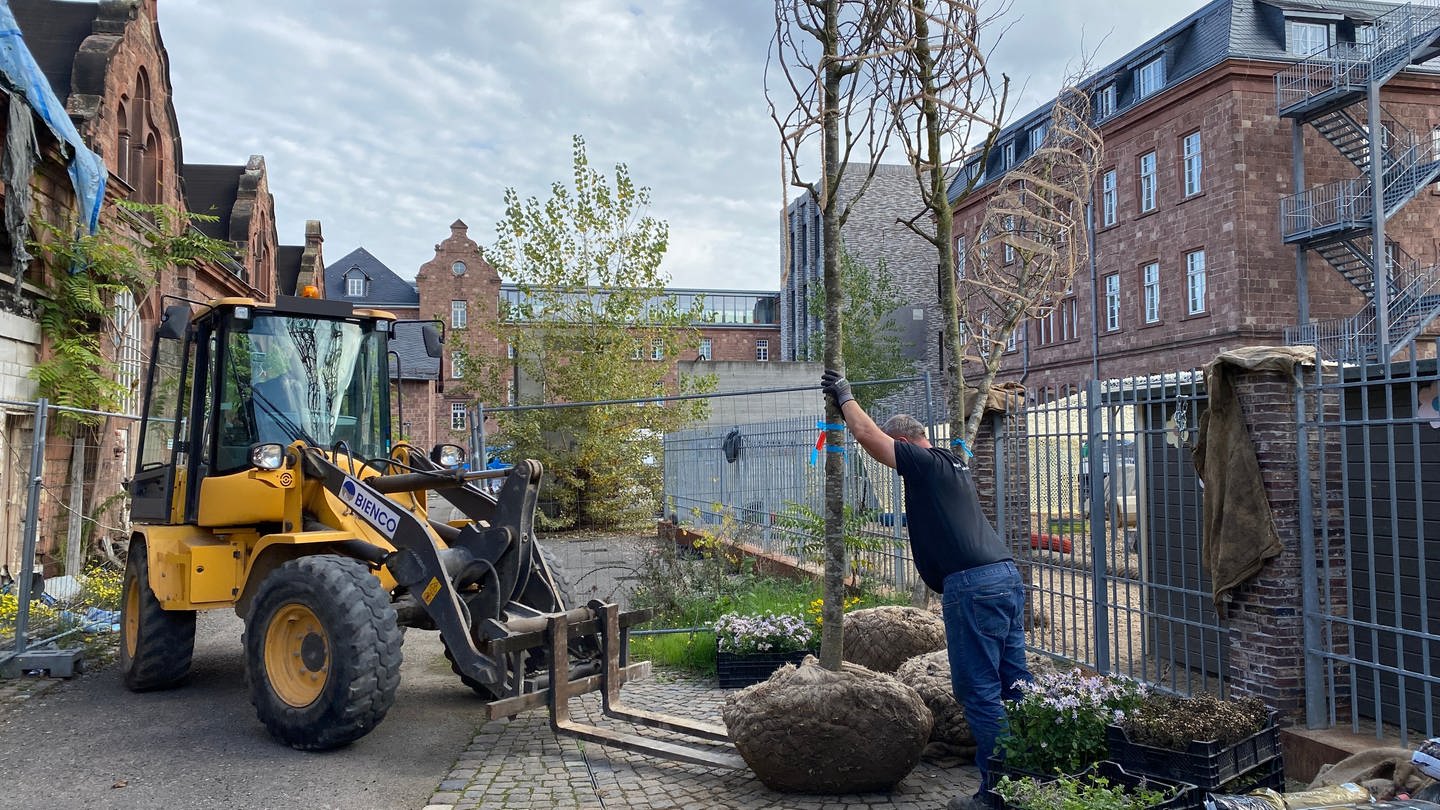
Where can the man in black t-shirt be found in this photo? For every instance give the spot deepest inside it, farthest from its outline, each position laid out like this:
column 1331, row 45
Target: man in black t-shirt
column 959, row 555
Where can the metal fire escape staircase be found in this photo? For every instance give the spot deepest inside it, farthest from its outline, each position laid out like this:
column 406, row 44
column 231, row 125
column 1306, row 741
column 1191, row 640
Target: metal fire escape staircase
column 1329, row 91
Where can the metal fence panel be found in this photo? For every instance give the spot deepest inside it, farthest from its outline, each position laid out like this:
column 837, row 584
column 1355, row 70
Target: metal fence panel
column 1370, row 435
column 1108, row 526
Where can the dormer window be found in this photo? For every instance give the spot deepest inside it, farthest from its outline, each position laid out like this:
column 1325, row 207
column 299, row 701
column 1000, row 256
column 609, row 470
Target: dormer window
column 1105, row 102
column 1304, row 38
column 356, row 283
column 1007, row 155
column 1037, row 137
column 1150, row 78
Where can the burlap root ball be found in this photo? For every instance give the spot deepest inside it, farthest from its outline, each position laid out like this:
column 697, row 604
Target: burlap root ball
column 810, row 730
column 883, row 638
column 929, row 676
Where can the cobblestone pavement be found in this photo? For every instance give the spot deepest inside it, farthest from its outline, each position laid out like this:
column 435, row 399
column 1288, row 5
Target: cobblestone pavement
column 520, row 763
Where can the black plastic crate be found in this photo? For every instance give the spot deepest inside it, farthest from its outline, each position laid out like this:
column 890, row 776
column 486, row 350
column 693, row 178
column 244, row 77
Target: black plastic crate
column 736, row 670
column 1206, row 765
column 1266, row 775
column 1183, row 796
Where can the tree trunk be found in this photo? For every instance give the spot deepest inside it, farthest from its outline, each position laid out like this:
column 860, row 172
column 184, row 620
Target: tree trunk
column 833, row 611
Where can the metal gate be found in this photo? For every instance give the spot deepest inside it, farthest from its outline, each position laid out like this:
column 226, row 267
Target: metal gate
column 1370, row 442
column 1105, row 511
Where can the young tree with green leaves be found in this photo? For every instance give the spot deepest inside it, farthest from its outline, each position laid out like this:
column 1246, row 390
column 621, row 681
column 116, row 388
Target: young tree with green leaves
column 592, row 324
column 870, row 340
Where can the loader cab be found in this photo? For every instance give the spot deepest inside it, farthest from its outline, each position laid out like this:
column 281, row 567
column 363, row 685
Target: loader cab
column 239, row 374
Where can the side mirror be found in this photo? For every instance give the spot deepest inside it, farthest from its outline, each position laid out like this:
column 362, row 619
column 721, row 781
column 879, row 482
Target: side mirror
column 432, row 340
column 174, row 322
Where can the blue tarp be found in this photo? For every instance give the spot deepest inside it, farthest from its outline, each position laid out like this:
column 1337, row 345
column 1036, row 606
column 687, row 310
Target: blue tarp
column 23, row 78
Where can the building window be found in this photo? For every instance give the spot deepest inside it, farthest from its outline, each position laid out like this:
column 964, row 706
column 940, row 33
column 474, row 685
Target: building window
column 1112, row 302
column 1037, row 137
column 510, row 351
column 707, row 349
column 1105, row 102
column 1009, row 248
column 1193, row 163
column 762, row 350
column 657, row 350
column 960, row 252
column 1306, row 38
column 1008, row 155
column 354, row 286
column 457, row 365
column 1195, row 281
column 1150, row 77
column 458, row 315
column 1147, row 182
column 1108, row 200
column 1152, row 292
column 1013, row 340
column 457, row 416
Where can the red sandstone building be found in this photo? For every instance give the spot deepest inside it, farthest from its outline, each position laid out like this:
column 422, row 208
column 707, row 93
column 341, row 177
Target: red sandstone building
column 459, row 288
column 105, row 71
column 1233, row 204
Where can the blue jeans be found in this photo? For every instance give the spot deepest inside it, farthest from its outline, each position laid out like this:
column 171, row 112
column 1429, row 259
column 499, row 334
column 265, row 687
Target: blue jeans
column 984, row 612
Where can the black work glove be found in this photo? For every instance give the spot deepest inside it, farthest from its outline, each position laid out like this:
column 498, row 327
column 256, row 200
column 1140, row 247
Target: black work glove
column 837, row 388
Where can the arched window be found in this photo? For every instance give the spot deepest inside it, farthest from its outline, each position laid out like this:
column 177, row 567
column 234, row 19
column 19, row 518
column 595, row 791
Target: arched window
column 150, row 174
column 122, row 139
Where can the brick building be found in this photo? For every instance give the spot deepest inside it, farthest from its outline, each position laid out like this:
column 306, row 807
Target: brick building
column 460, row 289
column 105, row 71
column 1190, row 254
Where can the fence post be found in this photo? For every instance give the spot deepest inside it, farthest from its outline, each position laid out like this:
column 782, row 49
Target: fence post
column 477, row 438
column 1099, row 550
column 1315, row 702
column 32, row 524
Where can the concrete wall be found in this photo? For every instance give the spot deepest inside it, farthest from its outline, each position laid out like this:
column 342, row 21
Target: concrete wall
column 749, row 376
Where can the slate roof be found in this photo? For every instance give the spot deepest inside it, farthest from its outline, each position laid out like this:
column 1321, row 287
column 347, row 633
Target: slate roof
column 211, row 190
column 409, row 345
column 384, row 288
column 287, row 268
column 1219, row 30
column 53, row 32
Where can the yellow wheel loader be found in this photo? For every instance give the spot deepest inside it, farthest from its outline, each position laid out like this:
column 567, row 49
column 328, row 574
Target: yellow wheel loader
column 267, row 483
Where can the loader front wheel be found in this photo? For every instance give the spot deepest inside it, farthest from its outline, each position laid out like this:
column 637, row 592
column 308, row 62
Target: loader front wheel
column 322, row 652
column 156, row 645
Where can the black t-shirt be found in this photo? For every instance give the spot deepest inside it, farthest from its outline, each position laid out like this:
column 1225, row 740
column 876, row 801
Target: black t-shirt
column 948, row 532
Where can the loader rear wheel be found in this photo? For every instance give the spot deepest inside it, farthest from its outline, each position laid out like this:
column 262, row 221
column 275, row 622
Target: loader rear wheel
column 322, row 652
column 156, row 645
column 568, row 599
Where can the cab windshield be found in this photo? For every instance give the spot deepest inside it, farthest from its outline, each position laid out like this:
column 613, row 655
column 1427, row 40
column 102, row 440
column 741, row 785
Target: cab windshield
column 285, row 378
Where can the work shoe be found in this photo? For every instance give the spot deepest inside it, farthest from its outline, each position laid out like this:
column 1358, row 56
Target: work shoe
column 1427, row 759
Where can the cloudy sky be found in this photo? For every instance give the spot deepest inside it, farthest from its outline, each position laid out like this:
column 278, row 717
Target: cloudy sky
column 387, row 121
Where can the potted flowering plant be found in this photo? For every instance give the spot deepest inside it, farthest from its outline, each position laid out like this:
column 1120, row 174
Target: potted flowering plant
column 1059, row 723
column 1205, row 740
column 748, row 649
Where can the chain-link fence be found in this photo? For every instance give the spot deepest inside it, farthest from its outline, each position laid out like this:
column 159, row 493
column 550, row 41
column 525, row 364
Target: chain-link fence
column 64, row 516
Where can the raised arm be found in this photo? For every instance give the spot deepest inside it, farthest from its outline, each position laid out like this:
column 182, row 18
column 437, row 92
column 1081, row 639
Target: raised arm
column 880, row 446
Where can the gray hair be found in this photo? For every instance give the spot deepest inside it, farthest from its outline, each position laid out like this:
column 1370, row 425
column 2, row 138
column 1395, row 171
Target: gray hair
column 903, row 425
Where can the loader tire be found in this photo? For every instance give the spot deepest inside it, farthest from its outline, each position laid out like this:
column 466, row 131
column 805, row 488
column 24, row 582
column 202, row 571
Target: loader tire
column 567, row 596
column 322, row 652
column 156, row 645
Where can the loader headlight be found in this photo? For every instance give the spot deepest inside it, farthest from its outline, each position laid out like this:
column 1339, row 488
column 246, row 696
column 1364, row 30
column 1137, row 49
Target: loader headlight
column 448, row 455
column 267, row 456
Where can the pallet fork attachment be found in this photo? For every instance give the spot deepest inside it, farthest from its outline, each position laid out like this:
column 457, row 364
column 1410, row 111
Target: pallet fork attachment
column 613, row 627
